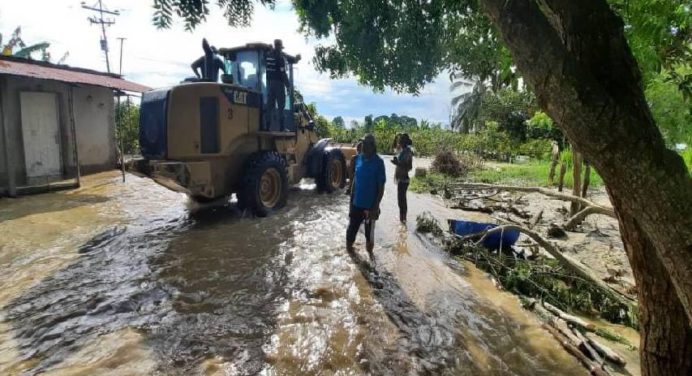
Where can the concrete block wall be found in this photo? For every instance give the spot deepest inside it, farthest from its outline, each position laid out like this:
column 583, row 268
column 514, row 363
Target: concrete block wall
column 94, row 113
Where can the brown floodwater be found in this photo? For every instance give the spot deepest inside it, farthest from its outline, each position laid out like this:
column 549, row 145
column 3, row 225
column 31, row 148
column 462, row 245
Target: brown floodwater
column 129, row 278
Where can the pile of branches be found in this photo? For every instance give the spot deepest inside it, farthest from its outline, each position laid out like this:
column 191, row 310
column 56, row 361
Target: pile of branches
column 447, row 163
column 546, row 279
column 578, row 337
column 427, row 224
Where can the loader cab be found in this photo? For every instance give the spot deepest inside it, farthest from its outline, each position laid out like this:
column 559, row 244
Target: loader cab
column 248, row 67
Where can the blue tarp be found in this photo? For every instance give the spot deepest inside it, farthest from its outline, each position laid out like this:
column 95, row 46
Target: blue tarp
column 464, row 227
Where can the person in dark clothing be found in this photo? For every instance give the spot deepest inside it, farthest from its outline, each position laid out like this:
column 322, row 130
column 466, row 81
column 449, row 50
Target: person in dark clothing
column 367, row 191
column 277, row 81
column 404, row 164
column 209, row 64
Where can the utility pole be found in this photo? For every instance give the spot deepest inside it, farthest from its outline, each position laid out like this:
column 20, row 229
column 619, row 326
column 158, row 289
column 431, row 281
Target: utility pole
column 103, row 22
column 120, row 67
column 119, row 110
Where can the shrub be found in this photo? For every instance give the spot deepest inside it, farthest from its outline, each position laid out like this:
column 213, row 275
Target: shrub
column 566, row 157
column 127, row 127
column 447, row 163
column 536, row 149
column 471, row 161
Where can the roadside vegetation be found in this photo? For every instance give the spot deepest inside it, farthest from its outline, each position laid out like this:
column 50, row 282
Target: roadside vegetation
column 127, row 127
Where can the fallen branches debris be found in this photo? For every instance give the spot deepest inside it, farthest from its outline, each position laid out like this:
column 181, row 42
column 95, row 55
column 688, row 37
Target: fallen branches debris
column 606, row 351
column 593, row 367
column 427, row 224
column 597, row 209
column 578, row 218
column 591, row 353
column 562, row 258
column 569, row 318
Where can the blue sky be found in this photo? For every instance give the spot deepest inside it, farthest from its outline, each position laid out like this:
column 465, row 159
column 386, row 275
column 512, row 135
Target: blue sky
column 161, row 58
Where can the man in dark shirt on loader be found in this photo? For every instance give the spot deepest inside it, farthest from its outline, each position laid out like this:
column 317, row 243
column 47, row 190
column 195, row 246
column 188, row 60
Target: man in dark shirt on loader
column 277, row 81
column 209, row 64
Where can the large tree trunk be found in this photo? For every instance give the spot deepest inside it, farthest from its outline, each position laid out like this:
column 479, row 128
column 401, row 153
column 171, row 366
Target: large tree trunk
column 666, row 337
column 575, row 57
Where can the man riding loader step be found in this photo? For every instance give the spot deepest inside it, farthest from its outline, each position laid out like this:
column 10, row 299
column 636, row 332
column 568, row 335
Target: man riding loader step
column 278, row 80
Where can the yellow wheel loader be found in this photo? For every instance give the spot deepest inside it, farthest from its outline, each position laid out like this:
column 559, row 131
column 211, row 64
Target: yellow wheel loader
column 210, row 140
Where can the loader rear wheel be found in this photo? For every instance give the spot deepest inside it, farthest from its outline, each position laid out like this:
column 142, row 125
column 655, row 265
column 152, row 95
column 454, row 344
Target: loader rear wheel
column 333, row 174
column 264, row 187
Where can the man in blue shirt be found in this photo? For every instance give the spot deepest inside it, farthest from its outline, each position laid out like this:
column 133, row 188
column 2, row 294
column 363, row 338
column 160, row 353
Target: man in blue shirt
column 367, row 189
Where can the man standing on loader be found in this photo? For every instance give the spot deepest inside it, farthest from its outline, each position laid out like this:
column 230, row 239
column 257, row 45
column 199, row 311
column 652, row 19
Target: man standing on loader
column 210, row 63
column 277, row 82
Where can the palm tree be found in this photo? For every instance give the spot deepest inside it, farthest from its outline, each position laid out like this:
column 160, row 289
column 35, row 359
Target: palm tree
column 467, row 105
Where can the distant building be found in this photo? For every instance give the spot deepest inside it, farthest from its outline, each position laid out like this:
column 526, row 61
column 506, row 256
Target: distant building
column 56, row 123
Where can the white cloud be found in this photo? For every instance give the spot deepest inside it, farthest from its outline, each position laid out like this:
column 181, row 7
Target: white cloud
column 162, row 57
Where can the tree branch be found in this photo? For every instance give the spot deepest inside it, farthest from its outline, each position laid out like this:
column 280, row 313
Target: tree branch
column 579, row 217
column 559, row 256
column 599, row 209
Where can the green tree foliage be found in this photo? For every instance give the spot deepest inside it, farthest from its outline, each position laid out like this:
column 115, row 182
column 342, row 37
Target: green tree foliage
column 510, row 109
column 339, row 122
column 673, row 113
column 429, row 138
column 368, row 123
column 395, row 121
column 659, row 32
column 238, row 13
column 541, row 126
column 477, row 54
column 373, row 38
column 127, row 130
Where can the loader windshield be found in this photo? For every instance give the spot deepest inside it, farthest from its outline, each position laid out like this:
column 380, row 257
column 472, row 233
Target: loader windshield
column 245, row 66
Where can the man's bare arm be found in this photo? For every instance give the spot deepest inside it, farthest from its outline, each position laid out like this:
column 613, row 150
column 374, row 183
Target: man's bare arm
column 197, row 64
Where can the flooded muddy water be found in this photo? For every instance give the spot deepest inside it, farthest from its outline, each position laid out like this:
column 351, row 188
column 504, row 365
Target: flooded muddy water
column 128, row 279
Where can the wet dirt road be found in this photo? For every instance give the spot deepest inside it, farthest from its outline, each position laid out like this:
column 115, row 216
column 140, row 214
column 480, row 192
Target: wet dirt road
column 123, row 279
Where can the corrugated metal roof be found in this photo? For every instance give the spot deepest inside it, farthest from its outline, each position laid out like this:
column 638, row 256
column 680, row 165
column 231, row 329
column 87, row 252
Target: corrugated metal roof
column 64, row 73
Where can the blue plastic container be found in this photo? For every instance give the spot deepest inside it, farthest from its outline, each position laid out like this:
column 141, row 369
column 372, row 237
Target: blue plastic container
column 463, row 228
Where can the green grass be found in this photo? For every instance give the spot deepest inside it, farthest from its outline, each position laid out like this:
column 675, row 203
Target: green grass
column 528, row 174
column 533, row 174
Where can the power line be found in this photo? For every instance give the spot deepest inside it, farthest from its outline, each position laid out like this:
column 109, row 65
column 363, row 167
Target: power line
column 103, row 22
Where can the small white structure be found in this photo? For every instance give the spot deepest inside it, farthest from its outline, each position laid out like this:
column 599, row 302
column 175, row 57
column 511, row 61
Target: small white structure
column 56, row 123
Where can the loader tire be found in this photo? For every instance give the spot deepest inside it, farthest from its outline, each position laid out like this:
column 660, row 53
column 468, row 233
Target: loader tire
column 333, row 175
column 264, row 186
